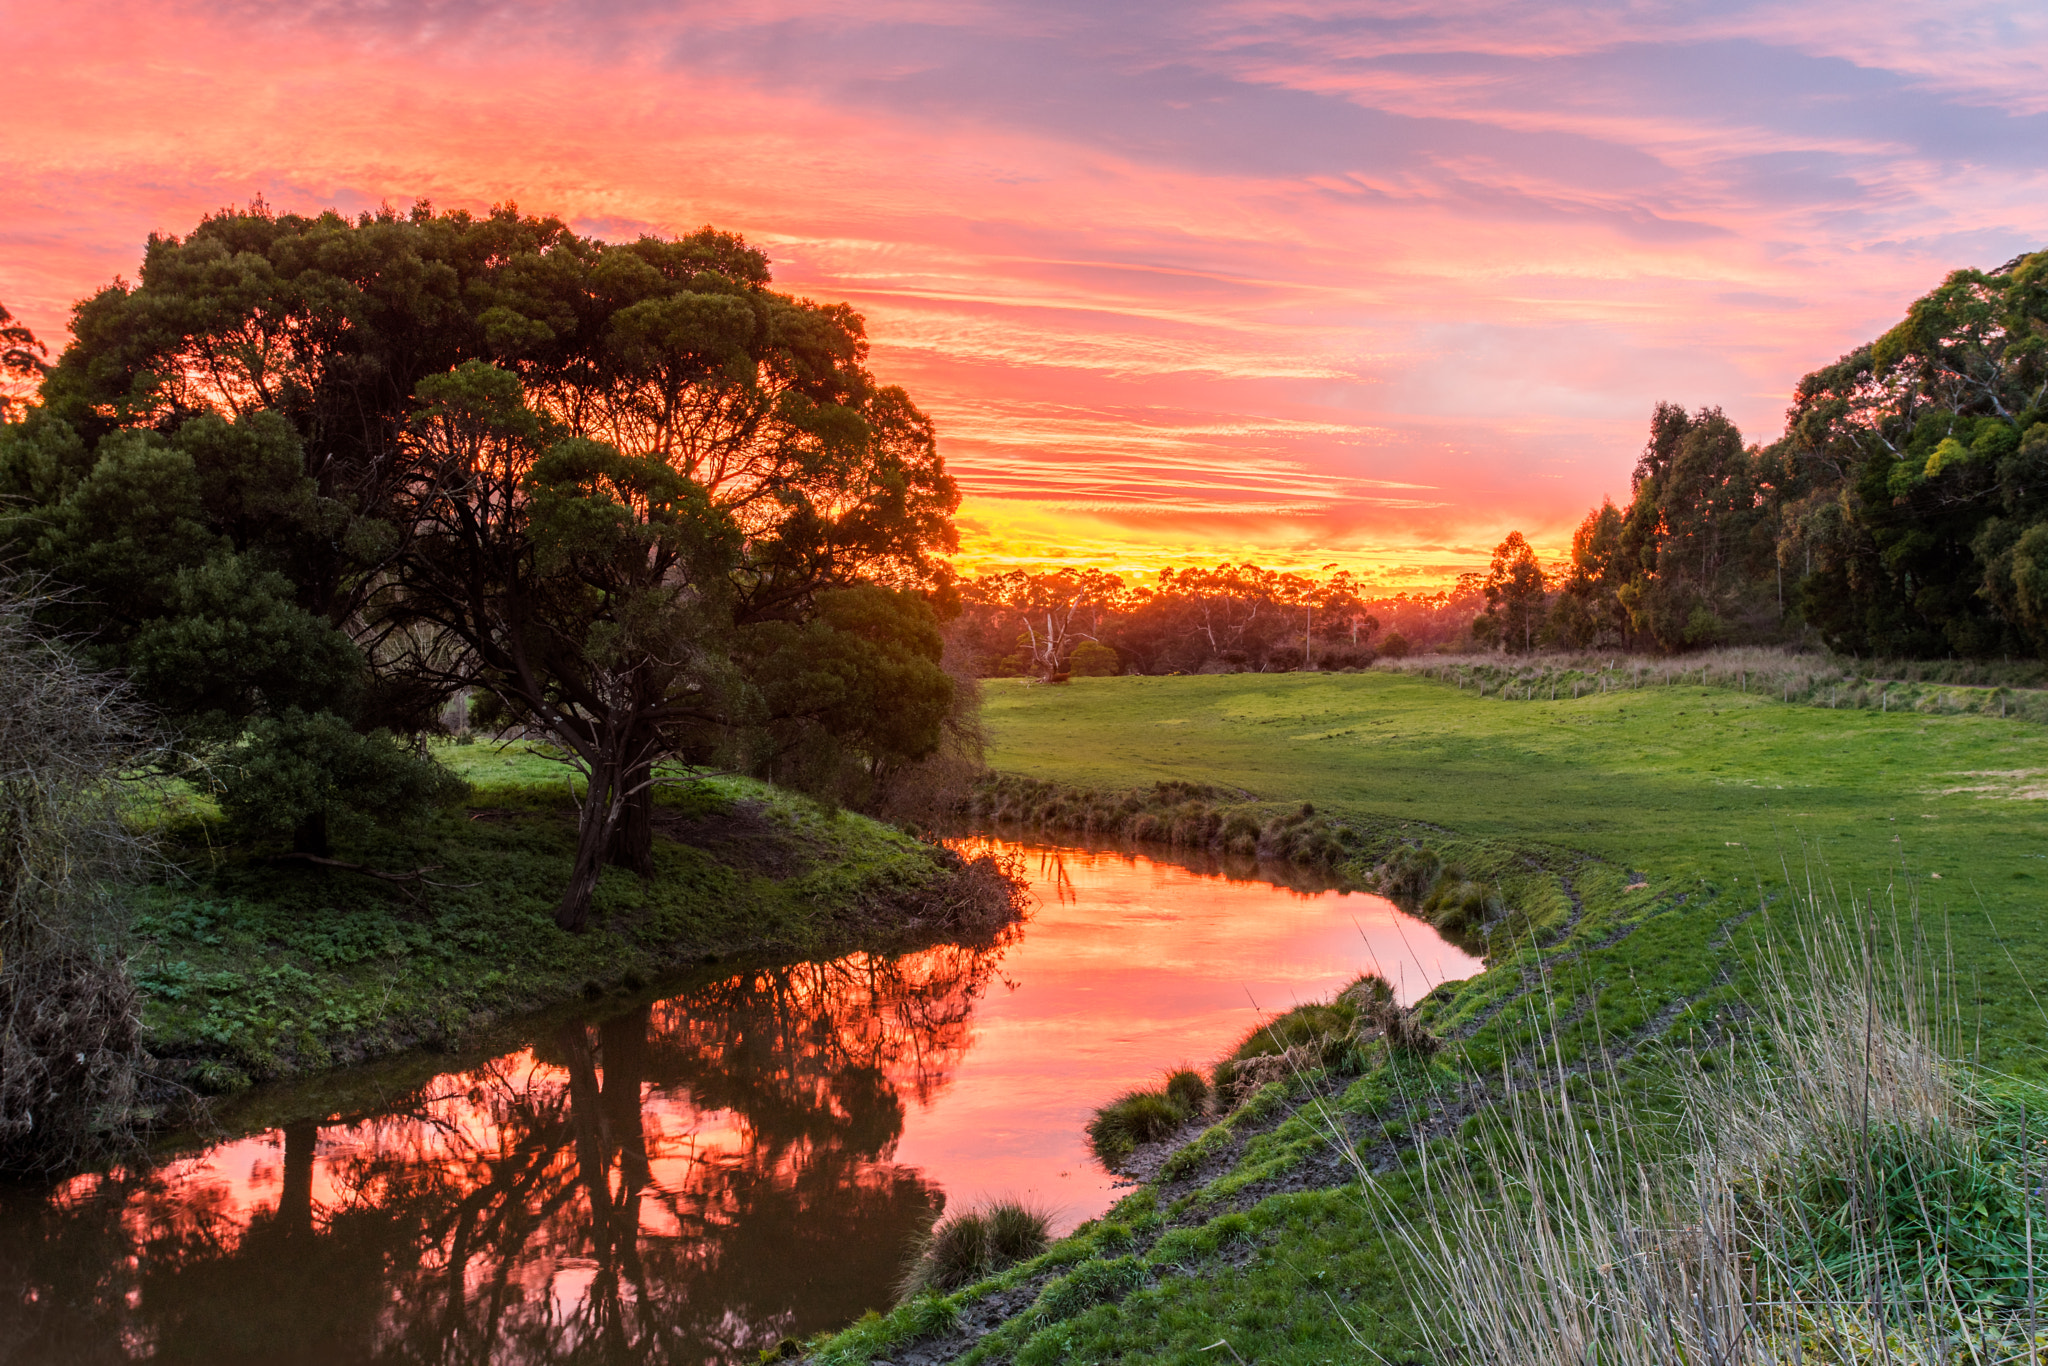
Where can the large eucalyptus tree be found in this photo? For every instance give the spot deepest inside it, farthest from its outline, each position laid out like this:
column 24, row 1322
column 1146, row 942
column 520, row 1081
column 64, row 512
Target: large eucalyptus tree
column 269, row 463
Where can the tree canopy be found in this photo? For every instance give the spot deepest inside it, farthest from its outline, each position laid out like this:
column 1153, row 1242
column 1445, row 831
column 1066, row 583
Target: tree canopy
column 313, row 475
column 1893, row 515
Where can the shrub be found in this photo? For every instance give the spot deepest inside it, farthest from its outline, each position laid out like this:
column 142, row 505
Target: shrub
column 975, row 1245
column 1091, row 660
column 70, row 1024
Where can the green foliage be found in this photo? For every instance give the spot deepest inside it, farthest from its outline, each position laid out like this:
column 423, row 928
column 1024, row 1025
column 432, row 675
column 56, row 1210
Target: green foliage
column 1092, row 659
column 351, row 466
column 854, row 694
column 1957, row 1210
column 1885, row 518
column 298, row 769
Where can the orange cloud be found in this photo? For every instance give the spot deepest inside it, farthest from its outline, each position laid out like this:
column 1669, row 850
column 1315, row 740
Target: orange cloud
column 1297, row 281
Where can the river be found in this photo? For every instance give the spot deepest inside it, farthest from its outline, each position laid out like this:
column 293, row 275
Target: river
column 694, row 1178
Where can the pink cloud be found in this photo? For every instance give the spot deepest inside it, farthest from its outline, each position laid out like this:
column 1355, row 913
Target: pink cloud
column 1246, row 277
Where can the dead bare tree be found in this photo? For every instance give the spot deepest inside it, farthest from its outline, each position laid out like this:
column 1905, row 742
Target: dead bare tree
column 73, row 745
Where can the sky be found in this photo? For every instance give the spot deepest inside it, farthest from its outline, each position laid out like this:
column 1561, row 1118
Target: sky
column 1305, row 282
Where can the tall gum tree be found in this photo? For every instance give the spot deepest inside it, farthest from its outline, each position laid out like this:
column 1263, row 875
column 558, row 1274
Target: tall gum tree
column 669, row 353
column 587, row 590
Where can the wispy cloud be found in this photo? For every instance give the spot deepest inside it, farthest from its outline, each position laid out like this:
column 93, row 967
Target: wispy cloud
column 1283, row 277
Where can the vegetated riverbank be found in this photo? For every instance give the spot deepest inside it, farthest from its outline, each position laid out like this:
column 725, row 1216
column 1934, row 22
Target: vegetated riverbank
column 1629, row 851
column 1931, row 687
column 256, row 967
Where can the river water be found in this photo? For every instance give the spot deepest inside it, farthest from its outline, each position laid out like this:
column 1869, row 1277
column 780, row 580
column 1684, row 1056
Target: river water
column 695, row 1178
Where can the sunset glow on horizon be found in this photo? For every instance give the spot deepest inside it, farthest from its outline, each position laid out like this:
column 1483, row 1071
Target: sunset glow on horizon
column 1304, row 282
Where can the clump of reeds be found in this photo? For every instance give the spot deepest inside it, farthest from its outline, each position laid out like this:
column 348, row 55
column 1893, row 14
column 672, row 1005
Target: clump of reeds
column 974, row 1245
column 1834, row 1190
column 1138, row 1117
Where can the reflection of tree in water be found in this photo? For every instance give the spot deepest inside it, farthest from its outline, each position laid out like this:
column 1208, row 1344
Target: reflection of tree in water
column 685, row 1182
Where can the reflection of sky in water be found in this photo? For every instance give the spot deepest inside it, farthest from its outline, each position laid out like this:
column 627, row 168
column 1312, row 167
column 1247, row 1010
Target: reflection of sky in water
column 1129, row 966
column 695, row 1179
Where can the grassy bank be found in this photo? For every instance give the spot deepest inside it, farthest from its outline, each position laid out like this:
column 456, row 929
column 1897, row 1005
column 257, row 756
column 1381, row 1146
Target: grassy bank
column 1623, row 842
column 256, row 967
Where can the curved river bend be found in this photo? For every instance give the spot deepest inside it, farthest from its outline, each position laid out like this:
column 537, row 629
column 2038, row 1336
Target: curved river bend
column 693, row 1179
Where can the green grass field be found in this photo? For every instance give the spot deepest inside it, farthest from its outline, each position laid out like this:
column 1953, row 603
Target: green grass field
column 1637, row 830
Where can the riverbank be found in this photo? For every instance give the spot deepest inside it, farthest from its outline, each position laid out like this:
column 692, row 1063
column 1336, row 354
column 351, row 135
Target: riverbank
column 1621, row 847
column 256, row 968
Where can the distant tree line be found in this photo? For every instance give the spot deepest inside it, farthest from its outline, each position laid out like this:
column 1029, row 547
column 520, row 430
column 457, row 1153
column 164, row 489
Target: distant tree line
column 310, row 478
column 1235, row 616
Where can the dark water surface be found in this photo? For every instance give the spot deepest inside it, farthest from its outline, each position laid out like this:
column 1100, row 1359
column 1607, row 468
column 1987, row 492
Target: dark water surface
column 693, row 1179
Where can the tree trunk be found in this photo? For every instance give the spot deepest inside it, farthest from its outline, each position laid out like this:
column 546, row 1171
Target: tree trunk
column 622, row 1043
column 632, row 843
column 586, row 1123
column 295, row 1201
column 310, row 837
column 600, row 817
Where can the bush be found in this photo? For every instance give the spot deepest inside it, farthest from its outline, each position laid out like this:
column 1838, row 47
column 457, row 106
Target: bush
column 1091, row 660
column 70, row 1025
column 975, row 1245
column 314, row 771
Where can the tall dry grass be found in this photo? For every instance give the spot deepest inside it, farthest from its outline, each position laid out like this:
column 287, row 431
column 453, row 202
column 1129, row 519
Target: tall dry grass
column 1833, row 1187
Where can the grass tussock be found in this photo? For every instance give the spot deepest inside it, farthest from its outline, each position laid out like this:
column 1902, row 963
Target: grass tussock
column 1836, row 1190
column 1138, row 1117
column 975, row 1245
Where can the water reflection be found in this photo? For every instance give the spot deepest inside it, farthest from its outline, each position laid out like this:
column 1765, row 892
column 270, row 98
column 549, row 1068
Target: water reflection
column 691, row 1180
